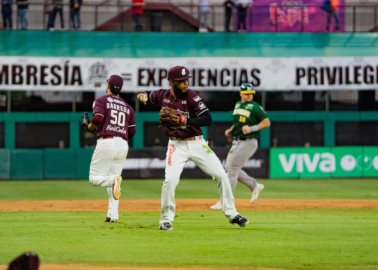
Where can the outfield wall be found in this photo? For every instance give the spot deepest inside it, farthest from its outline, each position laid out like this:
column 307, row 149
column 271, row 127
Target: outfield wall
column 30, row 147
column 296, row 162
column 46, row 130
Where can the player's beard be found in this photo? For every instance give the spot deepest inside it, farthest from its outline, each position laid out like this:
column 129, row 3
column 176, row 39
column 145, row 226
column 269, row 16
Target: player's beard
column 179, row 93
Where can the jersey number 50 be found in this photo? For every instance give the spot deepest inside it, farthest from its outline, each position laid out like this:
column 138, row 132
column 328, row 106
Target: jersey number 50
column 117, row 118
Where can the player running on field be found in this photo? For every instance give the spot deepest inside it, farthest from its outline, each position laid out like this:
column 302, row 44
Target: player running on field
column 186, row 142
column 114, row 124
column 248, row 119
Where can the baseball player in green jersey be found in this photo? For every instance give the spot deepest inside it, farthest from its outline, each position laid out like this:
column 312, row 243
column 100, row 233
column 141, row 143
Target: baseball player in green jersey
column 248, row 119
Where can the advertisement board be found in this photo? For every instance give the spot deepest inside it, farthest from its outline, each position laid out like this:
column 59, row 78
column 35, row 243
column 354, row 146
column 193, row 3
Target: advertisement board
column 294, row 16
column 323, row 162
column 208, row 73
column 151, row 164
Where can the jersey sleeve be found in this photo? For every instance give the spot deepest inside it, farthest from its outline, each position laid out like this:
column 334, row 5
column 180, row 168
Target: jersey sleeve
column 131, row 120
column 196, row 103
column 99, row 107
column 156, row 97
column 260, row 113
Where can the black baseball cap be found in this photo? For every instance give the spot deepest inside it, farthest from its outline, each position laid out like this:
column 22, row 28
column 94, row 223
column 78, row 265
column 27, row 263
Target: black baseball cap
column 178, row 73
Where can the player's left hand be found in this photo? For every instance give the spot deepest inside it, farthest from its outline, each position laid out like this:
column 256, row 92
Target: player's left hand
column 246, row 129
column 249, row 129
column 170, row 117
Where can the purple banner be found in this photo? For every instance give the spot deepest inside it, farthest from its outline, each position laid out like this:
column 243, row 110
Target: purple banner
column 292, row 16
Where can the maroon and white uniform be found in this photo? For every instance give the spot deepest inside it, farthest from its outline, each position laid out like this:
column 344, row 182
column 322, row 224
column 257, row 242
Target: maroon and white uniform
column 193, row 106
column 187, row 143
column 113, row 117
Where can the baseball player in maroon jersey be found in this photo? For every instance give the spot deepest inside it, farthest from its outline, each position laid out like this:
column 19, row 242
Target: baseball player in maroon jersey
column 114, row 123
column 186, row 142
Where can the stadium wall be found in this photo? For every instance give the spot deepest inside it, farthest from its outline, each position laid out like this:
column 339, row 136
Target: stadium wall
column 32, row 148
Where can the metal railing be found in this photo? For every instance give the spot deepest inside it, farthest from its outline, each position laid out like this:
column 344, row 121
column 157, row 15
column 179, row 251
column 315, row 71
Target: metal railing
column 355, row 18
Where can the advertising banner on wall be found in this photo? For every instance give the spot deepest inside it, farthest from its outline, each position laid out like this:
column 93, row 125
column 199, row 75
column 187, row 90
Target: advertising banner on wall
column 151, row 164
column 216, row 73
column 324, row 162
column 296, row 16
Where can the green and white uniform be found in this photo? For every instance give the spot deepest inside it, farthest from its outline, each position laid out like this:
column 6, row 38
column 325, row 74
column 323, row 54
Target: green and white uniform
column 243, row 145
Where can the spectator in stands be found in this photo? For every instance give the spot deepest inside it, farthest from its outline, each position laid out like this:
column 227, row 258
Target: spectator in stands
column 6, row 11
column 157, row 143
column 228, row 7
column 242, row 6
column 275, row 142
column 75, row 6
column 22, row 14
column 56, row 10
column 137, row 11
column 331, row 6
column 47, row 8
column 61, row 144
column 203, row 15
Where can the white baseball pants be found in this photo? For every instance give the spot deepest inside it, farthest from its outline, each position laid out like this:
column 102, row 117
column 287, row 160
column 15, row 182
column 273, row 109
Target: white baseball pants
column 107, row 163
column 198, row 151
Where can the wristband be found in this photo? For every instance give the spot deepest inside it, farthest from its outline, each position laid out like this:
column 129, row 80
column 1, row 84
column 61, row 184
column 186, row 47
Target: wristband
column 254, row 128
column 183, row 119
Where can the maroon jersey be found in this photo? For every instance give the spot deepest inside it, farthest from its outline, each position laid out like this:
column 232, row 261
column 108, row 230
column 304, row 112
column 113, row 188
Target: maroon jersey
column 117, row 116
column 192, row 106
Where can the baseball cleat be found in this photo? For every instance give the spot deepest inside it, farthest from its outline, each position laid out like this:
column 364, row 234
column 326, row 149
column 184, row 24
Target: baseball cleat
column 256, row 192
column 217, row 206
column 241, row 221
column 108, row 219
column 117, row 187
column 166, row 226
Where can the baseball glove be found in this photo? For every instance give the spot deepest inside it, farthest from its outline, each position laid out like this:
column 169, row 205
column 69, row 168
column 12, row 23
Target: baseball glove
column 170, row 117
column 85, row 120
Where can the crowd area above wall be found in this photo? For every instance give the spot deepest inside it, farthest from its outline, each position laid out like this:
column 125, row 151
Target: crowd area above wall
column 290, row 71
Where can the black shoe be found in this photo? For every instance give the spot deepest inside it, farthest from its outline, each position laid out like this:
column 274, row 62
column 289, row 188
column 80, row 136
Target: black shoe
column 108, row 219
column 166, row 226
column 241, row 221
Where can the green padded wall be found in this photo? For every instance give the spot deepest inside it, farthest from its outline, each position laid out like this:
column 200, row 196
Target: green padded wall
column 83, row 160
column 27, row 164
column 5, row 163
column 60, row 164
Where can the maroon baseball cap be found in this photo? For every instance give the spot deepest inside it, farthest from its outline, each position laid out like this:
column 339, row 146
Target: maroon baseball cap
column 178, row 73
column 115, row 81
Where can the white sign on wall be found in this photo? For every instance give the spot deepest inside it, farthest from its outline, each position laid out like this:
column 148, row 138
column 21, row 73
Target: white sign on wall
column 218, row 73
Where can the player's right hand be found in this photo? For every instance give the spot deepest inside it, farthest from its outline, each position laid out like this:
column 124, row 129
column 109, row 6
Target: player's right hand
column 142, row 97
column 228, row 132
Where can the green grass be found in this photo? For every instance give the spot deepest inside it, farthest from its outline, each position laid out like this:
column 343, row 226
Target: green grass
column 203, row 188
column 312, row 239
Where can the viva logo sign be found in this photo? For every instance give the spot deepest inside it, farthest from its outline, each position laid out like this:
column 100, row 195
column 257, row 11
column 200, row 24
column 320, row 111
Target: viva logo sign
column 324, row 162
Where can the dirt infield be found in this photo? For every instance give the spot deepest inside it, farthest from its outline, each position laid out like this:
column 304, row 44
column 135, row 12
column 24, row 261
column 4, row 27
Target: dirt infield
column 182, row 204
